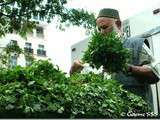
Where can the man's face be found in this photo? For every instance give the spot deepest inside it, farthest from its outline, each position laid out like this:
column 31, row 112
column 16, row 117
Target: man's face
column 106, row 25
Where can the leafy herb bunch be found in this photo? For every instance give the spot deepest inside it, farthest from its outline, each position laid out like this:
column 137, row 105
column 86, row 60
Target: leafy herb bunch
column 106, row 50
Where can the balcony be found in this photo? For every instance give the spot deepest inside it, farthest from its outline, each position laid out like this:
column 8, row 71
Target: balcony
column 13, row 42
column 41, row 52
column 28, row 50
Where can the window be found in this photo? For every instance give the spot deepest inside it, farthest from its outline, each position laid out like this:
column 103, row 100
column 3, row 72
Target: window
column 41, row 47
column 13, row 42
column 73, row 49
column 13, row 61
column 41, row 51
column 41, row 18
column 35, row 17
column 28, row 47
column 38, row 17
column 39, row 32
column 156, row 11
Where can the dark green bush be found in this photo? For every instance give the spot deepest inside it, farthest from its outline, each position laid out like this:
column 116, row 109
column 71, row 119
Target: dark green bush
column 43, row 91
column 106, row 50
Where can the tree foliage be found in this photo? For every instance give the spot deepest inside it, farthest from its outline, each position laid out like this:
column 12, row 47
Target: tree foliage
column 17, row 15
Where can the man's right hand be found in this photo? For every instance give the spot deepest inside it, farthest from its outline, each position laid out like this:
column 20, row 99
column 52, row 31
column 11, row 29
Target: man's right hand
column 76, row 66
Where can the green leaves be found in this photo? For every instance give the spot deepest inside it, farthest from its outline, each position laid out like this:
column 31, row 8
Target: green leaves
column 79, row 17
column 13, row 48
column 33, row 89
column 43, row 91
column 17, row 15
column 107, row 51
column 95, row 97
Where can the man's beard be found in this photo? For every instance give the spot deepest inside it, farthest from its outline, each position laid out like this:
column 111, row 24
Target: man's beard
column 117, row 31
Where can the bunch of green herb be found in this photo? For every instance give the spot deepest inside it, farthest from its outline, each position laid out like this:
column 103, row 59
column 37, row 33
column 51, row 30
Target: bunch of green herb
column 106, row 50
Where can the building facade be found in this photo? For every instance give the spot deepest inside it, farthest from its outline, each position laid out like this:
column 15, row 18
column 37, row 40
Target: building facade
column 35, row 45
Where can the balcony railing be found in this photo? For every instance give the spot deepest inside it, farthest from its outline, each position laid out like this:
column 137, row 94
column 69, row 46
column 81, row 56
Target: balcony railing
column 28, row 50
column 41, row 52
column 13, row 42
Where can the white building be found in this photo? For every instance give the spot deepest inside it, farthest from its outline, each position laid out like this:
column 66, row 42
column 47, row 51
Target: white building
column 145, row 24
column 78, row 49
column 35, row 44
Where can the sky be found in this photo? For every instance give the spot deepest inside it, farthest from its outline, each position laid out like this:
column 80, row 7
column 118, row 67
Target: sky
column 59, row 42
column 127, row 8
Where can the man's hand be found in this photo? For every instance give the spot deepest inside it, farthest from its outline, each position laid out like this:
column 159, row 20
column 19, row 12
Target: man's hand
column 76, row 66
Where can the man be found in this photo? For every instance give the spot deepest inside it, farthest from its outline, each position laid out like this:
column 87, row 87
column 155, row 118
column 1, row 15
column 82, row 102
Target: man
column 140, row 69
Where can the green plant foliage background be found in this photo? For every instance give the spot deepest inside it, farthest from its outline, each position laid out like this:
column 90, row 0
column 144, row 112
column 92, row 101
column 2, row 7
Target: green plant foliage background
column 43, row 91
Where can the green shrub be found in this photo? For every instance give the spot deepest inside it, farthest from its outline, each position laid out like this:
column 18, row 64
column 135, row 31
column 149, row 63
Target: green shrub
column 29, row 91
column 43, row 91
column 95, row 97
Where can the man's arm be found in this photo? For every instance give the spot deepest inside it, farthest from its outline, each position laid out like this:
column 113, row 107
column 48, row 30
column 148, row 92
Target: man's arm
column 144, row 71
column 146, row 68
